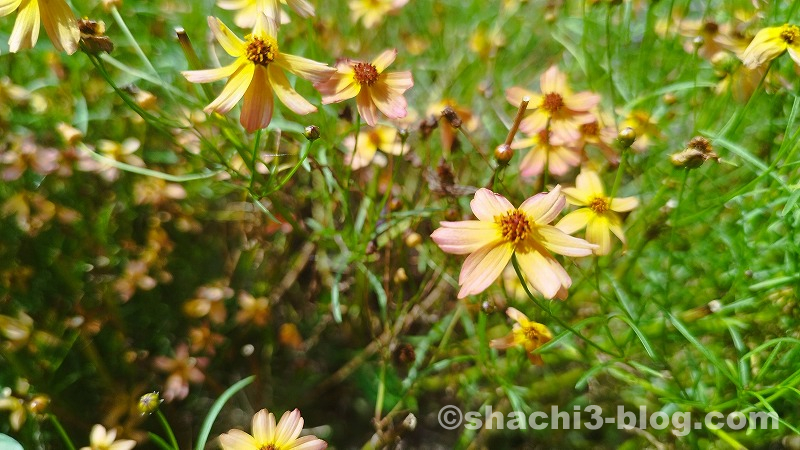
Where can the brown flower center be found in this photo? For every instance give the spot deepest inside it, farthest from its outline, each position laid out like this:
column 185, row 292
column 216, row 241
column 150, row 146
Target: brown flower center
column 790, row 34
column 598, row 205
column 531, row 334
column 552, row 102
column 365, row 73
column 590, row 129
column 261, row 51
column 515, row 226
column 268, row 447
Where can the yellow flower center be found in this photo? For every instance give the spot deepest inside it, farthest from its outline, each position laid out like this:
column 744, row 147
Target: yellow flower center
column 261, row 51
column 531, row 334
column 598, row 205
column 365, row 73
column 552, row 102
column 514, row 226
column 790, row 34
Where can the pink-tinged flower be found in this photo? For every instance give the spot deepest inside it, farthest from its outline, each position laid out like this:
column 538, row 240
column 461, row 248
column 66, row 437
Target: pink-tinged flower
column 601, row 133
column 182, row 369
column 527, row 333
column 248, row 10
column 556, row 107
column 372, row 12
column 268, row 435
column 546, row 149
column 100, row 439
column 56, row 16
column 257, row 73
column 598, row 212
column 502, row 231
column 374, row 89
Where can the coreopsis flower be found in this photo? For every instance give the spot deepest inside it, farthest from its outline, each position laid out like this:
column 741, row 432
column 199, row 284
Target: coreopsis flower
column 645, row 127
column 56, row 16
column 372, row 12
column 598, row 212
column 100, row 439
column 124, row 151
column 556, row 107
column 771, row 42
column 16, row 410
column 268, row 435
column 182, row 369
column 600, row 132
column 252, row 310
column 370, row 141
column 209, row 302
column 503, row 231
column 257, row 74
column 375, row 90
column 527, row 333
column 546, row 149
column 248, row 10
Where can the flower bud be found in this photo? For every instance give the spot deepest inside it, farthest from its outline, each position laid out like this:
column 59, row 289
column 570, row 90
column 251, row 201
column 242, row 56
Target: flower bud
column 697, row 152
column 400, row 276
column 626, row 137
column 311, row 133
column 413, row 240
column 503, row 154
column 148, row 403
column 38, row 404
column 450, row 114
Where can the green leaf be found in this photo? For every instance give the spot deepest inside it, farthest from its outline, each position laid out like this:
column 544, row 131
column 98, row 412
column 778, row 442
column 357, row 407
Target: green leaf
column 208, row 422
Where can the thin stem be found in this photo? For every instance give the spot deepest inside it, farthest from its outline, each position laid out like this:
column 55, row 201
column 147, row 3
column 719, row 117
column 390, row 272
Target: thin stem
column 168, row 429
column 256, row 143
column 61, row 432
column 620, row 169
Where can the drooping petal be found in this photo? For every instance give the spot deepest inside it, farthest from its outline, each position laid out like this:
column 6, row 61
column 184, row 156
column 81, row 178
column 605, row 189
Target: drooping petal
column 598, row 232
column 576, row 220
column 533, row 162
column 386, row 58
column 233, row 91
column 486, row 205
column 765, row 46
column 623, row 204
column 8, row 6
column 237, row 440
column 229, row 41
column 287, row 95
column 544, row 208
column 60, row 25
column 302, row 7
column 504, row 342
column 539, row 273
column 589, row 183
column 482, row 267
column 313, row 71
column 258, row 102
column 467, row 236
column 794, row 53
column 289, row 427
column 557, row 241
column 366, row 108
column 307, row 443
column 211, row 75
column 26, row 27
column 392, row 104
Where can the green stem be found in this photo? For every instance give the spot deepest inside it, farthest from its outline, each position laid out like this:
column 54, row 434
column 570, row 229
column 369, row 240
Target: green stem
column 168, row 429
column 620, row 169
column 256, row 142
column 61, row 432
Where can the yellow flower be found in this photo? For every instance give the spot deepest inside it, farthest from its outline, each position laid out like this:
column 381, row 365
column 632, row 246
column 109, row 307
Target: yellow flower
column 770, row 43
column 546, row 149
column 248, row 10
column 527, row 333
column 599, row 213
column 502, row 231
column 372, row 12
column 100, row 439
column 381, row 138
column 374, row 89
column 56, row 16
column 267, row 435
column 257, row 73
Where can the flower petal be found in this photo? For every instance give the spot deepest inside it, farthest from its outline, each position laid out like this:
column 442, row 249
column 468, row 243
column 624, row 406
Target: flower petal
column 582, row 101
column 366, row 108
column 544, row 208
column 286, row 94
column 340, row 87
column 552, row 80
column 486, row 205
column 765, row 46
column 516, row 315
column 301, row 7
column 588, row 182
column 575, row 220
column 504, row 342
column 237, row 440
column 210, row 75
column 61, row 26
column 558, row 241
column 467, row 236
column 313, row 71
column 229, row 41
column 263, row 427
column 289, row 427
column 258, row 102
column 623, row 204
column 233, row 91
column 382, row 61
column 540, row 273
column 482, row 268
column 398, row 81
column 391, row 103
column 26, row 27
column 308, row 443
column 533, row 162
column 8, row 6
column 515, row 94
column 598, row 232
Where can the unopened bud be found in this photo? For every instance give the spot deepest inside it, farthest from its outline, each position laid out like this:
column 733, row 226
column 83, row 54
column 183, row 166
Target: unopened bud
column 503, row 154
column 70, row 134
column 488, row 307
column 38, row 404
column 626, row 137
column 311, row 133
column 400, row 276
column 413, row 240
column 452, row 214
column 450, row 114
column 148, row 403
column 669, row 98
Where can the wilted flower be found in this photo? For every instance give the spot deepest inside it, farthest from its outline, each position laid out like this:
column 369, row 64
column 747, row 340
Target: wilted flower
column 371, row 12
column 374, row 89
column 502, row 231
column 56, row 16
column 771, row 42
column 527, row 333
column 268, row 435
column 257, row 73
column 598, row 212
column 556, row 107
column 100, row 439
